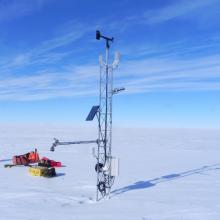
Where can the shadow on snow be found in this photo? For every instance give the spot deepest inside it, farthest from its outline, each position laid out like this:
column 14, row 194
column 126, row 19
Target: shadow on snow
column 60, row 174
column 150, row 183
column 5, row 160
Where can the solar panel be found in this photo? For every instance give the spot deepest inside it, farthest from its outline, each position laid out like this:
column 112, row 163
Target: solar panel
column 92, row 113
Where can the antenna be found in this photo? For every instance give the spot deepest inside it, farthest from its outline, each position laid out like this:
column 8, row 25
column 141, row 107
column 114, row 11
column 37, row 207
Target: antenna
column 106, row 165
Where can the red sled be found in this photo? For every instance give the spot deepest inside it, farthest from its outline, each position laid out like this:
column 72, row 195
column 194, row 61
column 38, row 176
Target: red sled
column 26, row 159
column 50, row 163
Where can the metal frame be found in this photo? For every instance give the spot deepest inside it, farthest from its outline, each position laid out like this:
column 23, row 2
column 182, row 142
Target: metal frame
column 105, row 179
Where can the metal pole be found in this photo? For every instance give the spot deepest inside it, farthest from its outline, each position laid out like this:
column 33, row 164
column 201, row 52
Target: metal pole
column 106, row 97
column 99, row 130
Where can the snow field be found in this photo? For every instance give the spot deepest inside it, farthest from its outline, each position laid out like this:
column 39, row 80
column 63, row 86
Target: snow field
column 164, row 174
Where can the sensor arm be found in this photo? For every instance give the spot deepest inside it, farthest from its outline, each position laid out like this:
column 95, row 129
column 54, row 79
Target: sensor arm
column 57, row 142
column 117, row 90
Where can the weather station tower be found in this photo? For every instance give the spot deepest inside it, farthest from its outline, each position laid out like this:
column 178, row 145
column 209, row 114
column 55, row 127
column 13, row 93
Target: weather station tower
column 107, row 166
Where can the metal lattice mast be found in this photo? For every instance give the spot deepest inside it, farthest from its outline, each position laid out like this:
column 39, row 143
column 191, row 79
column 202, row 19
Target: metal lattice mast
column 106, row 166
column 105, row 179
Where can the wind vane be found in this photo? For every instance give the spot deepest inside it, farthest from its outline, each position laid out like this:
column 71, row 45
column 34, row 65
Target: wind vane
column 107, row 166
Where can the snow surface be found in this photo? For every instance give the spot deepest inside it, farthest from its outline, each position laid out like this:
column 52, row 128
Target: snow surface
column 167, row 174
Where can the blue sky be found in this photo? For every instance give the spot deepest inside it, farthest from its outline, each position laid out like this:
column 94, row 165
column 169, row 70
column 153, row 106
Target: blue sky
column 170, row 61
